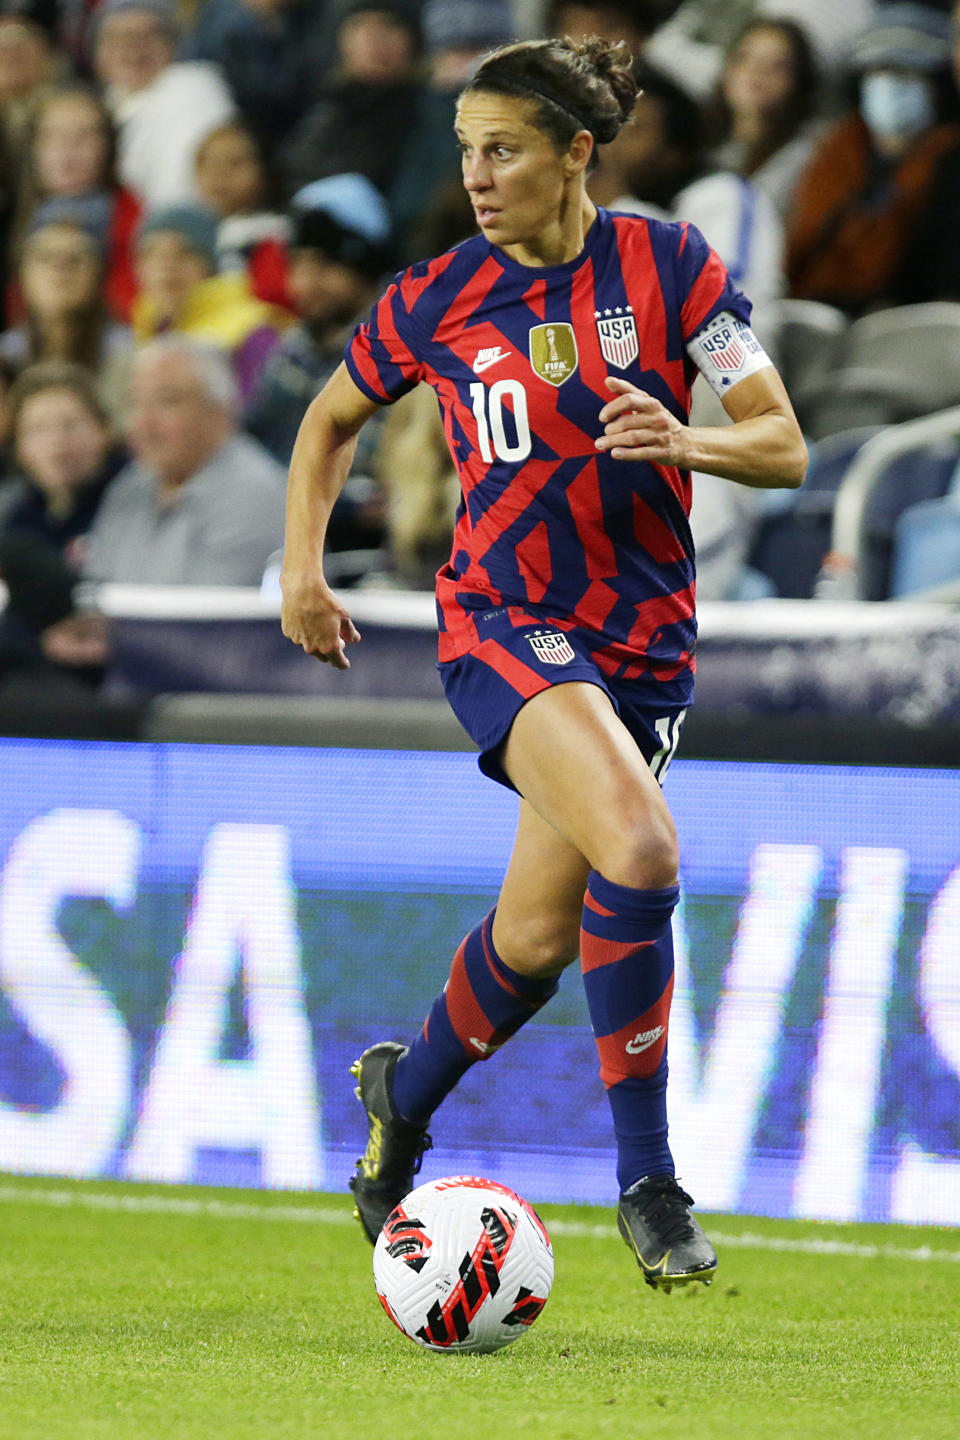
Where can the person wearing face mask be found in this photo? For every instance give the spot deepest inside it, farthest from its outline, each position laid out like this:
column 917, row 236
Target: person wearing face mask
column 865, row 189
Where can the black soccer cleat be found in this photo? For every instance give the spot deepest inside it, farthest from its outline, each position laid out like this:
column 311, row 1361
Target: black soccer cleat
column 655, row 1221
column 395, row 1148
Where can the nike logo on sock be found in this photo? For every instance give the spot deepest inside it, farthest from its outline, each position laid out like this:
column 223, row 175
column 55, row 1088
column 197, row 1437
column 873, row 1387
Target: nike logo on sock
column 644, row 1040
column 482, row 1046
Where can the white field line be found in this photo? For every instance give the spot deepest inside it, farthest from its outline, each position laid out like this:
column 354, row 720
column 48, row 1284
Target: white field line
column 315, row 1215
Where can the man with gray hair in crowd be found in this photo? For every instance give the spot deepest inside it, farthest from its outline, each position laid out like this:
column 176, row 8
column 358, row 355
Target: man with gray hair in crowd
column 200, row 503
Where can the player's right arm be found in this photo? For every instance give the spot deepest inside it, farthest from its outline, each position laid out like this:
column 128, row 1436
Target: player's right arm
column 311, row 615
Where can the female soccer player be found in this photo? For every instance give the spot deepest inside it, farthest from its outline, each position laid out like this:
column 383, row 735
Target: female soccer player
column 562, row 342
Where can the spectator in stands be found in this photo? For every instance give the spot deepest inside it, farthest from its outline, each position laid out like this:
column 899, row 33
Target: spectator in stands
column 421, row 486
column 200, row 504
column 340, row 250
column 8, row 374
column 871, row 177
column 50, row 653
column 72, row 153
column 369, row 105
column 233, row 183
column 268, row 54
column 691, row 45
column 66, row 455
column 632, row 20
column 931, row 265
column 28, row 67
column 762, row 121
column 449, row 219
column 456, row 34
column 163, row 107
column 60, row 278
column 657, row 166
column 176, row 259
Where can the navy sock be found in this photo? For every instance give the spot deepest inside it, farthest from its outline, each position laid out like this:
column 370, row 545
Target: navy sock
column 483, row 1003
column 626, row 953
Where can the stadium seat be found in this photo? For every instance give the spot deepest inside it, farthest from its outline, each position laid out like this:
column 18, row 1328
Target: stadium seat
column 753, row 585
column 926, row 546
column 852, row 399
column 793, row 538
column 917, row 345
column 890, row 366
column 809, row 338
column 913, row 480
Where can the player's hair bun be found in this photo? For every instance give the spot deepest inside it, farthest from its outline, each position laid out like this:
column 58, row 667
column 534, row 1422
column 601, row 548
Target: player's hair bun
column 612, row 62
column 576, row 87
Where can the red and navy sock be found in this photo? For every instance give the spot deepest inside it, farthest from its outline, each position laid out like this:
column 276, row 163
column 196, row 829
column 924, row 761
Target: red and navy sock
column 626, row 953
column 482, row 1004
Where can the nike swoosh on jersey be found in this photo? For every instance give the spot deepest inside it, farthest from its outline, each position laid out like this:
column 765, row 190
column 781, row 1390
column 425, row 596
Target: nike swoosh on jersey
column 486, row 358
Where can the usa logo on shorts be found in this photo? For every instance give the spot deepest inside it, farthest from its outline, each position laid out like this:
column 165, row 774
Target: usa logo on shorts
column 551, row 647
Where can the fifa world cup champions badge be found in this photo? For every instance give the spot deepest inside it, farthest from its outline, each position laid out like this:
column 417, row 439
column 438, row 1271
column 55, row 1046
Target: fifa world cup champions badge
column 553, row 351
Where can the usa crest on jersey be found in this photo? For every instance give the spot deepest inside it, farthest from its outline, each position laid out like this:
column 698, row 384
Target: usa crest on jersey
column 617, row 330
column 551, row 647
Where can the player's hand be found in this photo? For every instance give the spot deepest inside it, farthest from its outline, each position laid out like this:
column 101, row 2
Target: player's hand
column 637, row 427
column 313, row 618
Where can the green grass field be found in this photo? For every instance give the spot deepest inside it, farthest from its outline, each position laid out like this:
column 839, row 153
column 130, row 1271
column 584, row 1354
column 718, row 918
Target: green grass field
column 221, row 1315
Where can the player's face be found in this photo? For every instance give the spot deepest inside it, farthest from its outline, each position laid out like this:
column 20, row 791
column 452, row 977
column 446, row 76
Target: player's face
column 512, row 171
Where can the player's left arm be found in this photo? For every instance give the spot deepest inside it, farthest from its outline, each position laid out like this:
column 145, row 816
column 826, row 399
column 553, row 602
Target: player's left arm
column 764, row 447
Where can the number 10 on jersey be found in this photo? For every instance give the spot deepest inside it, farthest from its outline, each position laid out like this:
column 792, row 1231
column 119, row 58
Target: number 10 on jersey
column 488, row 411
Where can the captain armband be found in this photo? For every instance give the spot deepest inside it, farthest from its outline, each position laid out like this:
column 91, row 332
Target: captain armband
column 726, row 351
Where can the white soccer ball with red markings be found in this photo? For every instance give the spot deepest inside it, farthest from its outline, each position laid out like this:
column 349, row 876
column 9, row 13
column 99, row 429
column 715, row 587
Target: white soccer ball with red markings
column 463, row 1264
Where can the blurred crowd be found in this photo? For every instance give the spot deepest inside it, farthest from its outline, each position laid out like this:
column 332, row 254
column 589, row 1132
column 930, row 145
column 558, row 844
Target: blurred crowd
column 199, row 199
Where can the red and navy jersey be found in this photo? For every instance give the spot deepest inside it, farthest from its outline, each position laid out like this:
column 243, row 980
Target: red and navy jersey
column 518, row 356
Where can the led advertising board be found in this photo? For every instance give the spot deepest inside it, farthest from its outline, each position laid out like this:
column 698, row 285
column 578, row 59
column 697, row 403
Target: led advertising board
column 196, row 941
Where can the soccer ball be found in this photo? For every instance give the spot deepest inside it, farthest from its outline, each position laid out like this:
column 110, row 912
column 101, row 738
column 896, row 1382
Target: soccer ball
column 463, row 1264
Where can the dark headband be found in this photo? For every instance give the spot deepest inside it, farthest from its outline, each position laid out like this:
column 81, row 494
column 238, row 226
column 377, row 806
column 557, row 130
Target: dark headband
column 524, row 88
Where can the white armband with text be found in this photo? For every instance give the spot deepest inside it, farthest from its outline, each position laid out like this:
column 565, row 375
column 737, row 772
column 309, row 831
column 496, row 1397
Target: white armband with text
column 725, row 351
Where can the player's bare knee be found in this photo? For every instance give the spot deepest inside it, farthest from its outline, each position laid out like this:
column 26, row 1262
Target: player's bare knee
column 539, row 946
column 644, row 856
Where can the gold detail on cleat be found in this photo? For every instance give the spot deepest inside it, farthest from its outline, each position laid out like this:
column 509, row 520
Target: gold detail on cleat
column 666, row 1284
column 355, row 1069
column 369, row 1162
column 655, row 1273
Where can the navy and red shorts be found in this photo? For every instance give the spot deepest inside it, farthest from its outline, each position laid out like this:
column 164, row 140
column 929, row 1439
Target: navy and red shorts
column 518, row 657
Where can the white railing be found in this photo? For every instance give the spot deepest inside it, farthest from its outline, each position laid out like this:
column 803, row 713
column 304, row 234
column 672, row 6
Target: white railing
column 415, row 610
column 848, row 539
